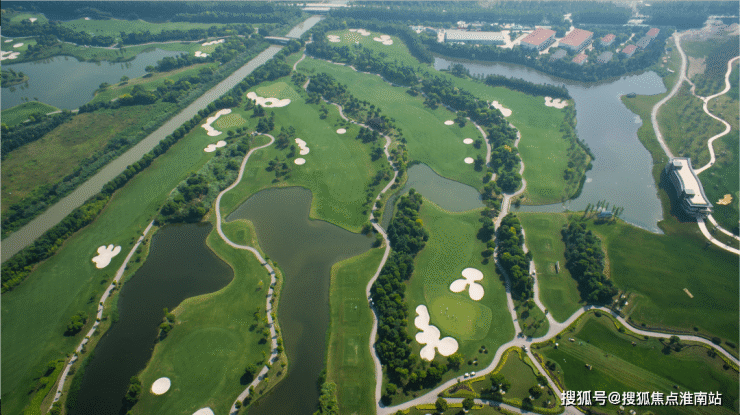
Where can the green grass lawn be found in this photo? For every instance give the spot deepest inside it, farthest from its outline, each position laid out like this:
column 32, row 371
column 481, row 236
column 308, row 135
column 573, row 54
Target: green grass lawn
column 114, row 27
column 60, row 151
column 206, row 353
column 337, row 171
column 18, row 17
column 36, row 312
column 558, row 290
column 452, row 247
column 397, row 50
column 532, row 321
column 19, row 113
column 522, row 378
column 429, row 141
column 349, row 363
column 619, row 366
column 8, row 47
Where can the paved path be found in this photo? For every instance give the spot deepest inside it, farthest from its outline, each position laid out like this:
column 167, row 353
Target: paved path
column 99, row 315
column 705, row 232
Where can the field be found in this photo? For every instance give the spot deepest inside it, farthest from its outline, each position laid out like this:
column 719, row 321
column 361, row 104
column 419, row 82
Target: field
column 25, row 16
column 429, row 141
column 59, row 152
column 397, row 50
column 19, row 113
column 279, row 90
column 452, row 247
column 337, row 171
column 558, row 290
column 349, row 363
column 114, row 27
column 532, row 321
column 627, row 362
column 213, row 336
column 522, row 377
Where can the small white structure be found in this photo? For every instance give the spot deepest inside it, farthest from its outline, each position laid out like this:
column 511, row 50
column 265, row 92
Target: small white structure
column 477, row 38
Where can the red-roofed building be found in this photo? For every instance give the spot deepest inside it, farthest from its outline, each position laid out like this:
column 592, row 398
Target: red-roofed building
column 629, row 50
column 577, row 40
column 653, row 32
column 608, row 39
column 539, row 39
column 580, row 59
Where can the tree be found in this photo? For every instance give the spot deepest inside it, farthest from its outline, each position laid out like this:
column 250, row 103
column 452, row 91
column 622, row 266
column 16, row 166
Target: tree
column 468, row 403
column 441, row 405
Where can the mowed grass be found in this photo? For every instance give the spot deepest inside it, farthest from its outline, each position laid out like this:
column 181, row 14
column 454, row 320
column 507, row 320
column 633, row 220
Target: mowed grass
column 658, row 267
column 279, row 90
column 206, row 353
column 429, row 141
column 522, row 377
column 337, row 171
column 452, row 247
column 114, row 27
column 558, row 290
column 397, row 50
column 16, row 115
column 35, row 313
column 349, row 363
column 60, row 151
column 17, row 18
column 619, row 366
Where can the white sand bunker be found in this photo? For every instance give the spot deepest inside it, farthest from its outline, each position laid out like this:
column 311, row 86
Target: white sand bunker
column 8, row 55
column 302, row 145
column 469, row 160
column 161, row 386
column 725, row 200
column 212, row 132
column 429, row 335
column 557, row 103
column 105, row 254
column 214, row 42
column 268, row 102
column 300, row 161
column 384, row 39
column 17, row 45
column 204, row 411
column 334, row 38
column 470, row 276
column 468, row 141
column 504, row 111
column 32, row 19
column 449, row 122
column 363, row 32
column 212, row 147
column 9, row 40
column 87, row 18
column 341, row 131
column 199, row 54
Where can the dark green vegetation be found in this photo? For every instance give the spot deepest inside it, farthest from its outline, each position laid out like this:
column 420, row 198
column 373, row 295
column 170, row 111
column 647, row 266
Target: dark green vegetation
column 532, row 321
column 584, row 258
column 349, row 364
column 512, row 258
column 712, row 80
column 11, row 77
column 558, row 290
column 686, row 15
column 18, row 133
column 527, row 87
column 606, row 356
column 328, row 400
column 20, row 113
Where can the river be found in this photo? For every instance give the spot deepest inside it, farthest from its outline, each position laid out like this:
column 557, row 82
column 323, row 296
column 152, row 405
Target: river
column 73, row 83
column 622, row 169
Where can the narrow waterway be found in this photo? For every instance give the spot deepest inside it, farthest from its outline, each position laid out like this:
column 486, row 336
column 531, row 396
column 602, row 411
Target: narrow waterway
column 305, row 251
column 622, row 170
column 180, row 265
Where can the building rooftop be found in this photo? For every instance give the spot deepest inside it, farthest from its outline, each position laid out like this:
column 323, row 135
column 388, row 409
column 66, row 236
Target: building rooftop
column 653, row 32
column 576, row 37
column 691, row 185
column 605, row 57
column 538, row 36
column 461, row 35
column 608, row 38
column 629, row 49
column 580, row 58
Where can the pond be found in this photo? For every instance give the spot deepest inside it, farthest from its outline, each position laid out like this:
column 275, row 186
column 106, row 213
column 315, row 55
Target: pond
column 622, row 169
column 305, row 251
column 67, row 83
column 180, row 265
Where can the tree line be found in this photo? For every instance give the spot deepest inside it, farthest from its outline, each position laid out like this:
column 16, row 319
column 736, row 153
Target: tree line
column 529, row 88
column 686, row 14
column 585, row 260
column 511, row 256
column 39, row 125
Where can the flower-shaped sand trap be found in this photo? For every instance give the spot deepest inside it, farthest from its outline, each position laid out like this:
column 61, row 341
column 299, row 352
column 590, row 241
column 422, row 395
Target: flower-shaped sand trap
column 212, row 147
column 268, row 102
column 300, row 161
column 212, row 132
column 341, row 131
column 204, row 411
column 363, row 32
column 214, row 42
column 8, row 55
column 384, row 39
column 161, row 386
column 105, row 254
column 504, row 111
column 468, row 141
column 199, row 54
column 449, row 122
column 471, row 275
column 557, row 103
column 429, row 335
column 469, row 160
column 302, row 145
column 334, row 38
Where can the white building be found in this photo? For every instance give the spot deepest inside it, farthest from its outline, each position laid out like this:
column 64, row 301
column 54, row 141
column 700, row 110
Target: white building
column 689, row 191
column 479, row 38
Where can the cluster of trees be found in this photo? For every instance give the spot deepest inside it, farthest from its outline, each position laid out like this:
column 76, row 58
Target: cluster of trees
column 585, row 261
column 132, row 394
column 39, row 124
column 530, row 88
column 612, row 15
column 76, row 323
column 686, row 15
column 328, row 400
column 223, row 53
column 512, row 258
column 136, row 38
column 712, row 80
column 11, row 77
column 167, row 324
